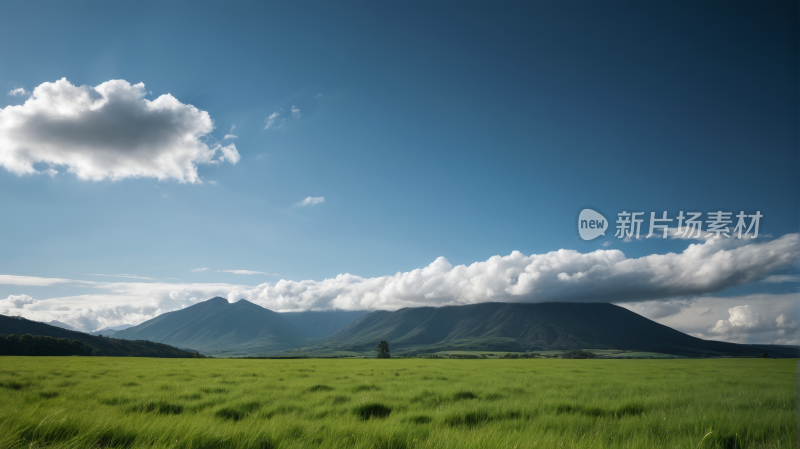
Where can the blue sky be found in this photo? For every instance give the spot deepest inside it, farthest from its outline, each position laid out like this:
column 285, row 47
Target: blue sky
column 446, row 130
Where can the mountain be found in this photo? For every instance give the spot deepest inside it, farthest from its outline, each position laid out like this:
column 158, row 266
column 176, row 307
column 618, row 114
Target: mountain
column 217, row 327
column 527, row 327
column 110, row 331
column 322, row 324
column 57, row 323
column 94, row 345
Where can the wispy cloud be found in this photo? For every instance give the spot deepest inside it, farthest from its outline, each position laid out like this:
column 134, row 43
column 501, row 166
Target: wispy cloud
column 318, row 96
column 230, row 134
column 276, row 121
column 779, row 278
column 247, row 272
column 129, row 276
column 271, row 119
column 18, row 92
column 311, row 200
column 198, row 270
column 37, row 281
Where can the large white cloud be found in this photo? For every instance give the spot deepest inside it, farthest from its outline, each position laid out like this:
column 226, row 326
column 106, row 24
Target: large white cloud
column 110, row 131
column 563, row 275
column 658, row 284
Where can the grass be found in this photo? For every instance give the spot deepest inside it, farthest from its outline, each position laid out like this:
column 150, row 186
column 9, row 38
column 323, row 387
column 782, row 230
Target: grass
column 92, row 402
column 607, row 353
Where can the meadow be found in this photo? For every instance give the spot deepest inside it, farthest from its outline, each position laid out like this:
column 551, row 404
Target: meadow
column 104, row 402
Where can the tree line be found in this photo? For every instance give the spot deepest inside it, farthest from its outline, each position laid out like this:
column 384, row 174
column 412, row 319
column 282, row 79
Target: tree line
column 41, row 345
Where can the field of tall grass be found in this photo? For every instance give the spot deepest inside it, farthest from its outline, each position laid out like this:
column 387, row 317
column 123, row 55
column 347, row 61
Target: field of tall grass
column 93, row 402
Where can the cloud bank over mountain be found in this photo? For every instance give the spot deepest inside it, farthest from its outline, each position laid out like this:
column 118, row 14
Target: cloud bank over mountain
column 110, row 131
column 563, row 275
column 656, row 286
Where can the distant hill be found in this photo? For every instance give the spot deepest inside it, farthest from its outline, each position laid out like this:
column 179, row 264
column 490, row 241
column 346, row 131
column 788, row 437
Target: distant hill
column 527, row 327
column 110, row 331
column 322, row 324
column 95, row 345
column 217, row 327
column 57, row 323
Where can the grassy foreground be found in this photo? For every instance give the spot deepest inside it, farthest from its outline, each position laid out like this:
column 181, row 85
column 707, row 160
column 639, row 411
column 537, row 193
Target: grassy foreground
column 91, row 402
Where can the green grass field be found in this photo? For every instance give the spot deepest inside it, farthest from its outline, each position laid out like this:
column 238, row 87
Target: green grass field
column 93, row 402
column 611, row 353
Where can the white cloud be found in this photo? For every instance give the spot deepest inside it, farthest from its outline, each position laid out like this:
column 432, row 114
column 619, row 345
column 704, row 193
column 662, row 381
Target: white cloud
column 129, row 276
column 107, row 132
column 658, row 285
column 213, row 183
column 746, row 325
column 741, row 319
column 230, row 134
column 318, row 96
column 775, row 279
column 197, row 270
column 230, row 154
column 564, row 275
column 15, row 302
column 782, row 321
column 606, row 244
column 312, row 200
column 36, row 281
column 124, row 302
column 246, row 272
column 18, row 92
column 758, row 318
column 271, row 120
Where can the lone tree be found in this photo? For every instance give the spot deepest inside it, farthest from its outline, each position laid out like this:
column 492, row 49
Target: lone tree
column 578, row 354
column 383, row 350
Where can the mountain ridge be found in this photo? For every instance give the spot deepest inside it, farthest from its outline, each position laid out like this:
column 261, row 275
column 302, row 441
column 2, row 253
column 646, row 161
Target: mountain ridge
column 222, row 328
column 11, row 325
column 526, row 327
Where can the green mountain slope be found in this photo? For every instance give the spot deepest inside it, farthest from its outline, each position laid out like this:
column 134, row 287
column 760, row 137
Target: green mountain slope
column 323, row 324
column 217, row 327
column 95, row 345
column 526, row 327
